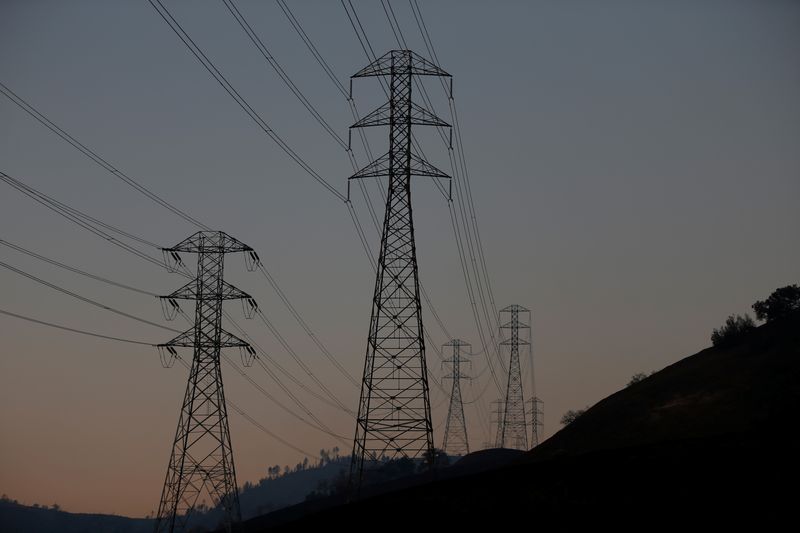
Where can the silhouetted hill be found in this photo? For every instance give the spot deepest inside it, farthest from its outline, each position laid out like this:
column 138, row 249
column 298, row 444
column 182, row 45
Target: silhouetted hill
column 730, row 389
column 17, row 518
column 706, row 442
column 473, row 463
column 266, row 495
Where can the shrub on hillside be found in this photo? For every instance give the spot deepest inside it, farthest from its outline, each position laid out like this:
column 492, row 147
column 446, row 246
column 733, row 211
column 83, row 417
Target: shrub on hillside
column 571, row 416
column 639, row 376
column 733, row 329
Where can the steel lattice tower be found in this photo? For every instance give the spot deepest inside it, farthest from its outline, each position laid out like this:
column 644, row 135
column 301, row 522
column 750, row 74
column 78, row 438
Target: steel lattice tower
column 537, row 422
column 455, row 432
column 513, row 432
column 498, row 419
column 202, row 458
column 394, row 412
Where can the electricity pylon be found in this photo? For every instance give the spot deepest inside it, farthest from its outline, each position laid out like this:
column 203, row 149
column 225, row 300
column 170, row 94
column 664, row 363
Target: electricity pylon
column 394, row 411
column 537, row 420
column 497, row 418
column 455, row 431
column 513, row 432
column 202, row 458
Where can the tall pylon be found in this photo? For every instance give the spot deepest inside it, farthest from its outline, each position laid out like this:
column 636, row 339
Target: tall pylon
column 394, row 411
column 455, row 431
column 202, row 457
column 513, row 432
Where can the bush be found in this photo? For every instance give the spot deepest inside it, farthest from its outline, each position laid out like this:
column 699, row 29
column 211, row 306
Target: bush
column 782, row 302
column 571, row 416
column 733, row 329
column 639, row 376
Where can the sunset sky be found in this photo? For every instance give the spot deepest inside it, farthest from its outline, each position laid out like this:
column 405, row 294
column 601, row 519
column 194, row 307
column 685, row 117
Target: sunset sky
column 634, row 165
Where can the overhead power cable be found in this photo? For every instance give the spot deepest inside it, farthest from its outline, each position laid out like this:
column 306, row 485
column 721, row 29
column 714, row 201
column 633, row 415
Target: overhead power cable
column 84, row 299
column 257, row 424
column 75, row 270
column 86, row 221
column 198, row 53
column 73, row 330
column 88, row 152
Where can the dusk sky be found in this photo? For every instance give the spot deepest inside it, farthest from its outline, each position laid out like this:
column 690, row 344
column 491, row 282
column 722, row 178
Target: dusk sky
column 635, row 168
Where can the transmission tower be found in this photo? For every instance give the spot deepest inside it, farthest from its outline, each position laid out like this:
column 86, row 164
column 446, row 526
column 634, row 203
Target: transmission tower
column 513, row 432
column 202, row 458
column 537, row 420
column 497, row 419
column 394, row 412
column 455, row 432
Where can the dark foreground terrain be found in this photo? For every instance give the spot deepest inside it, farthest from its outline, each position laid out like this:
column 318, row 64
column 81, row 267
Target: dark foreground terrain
column 707, row 442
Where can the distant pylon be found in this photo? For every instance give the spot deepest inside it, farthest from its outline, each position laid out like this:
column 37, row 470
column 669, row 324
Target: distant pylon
column 537, row 420
column 455, row 432
column 394, row 412
column 202, row 457
column 513, row 431
column 497, row 419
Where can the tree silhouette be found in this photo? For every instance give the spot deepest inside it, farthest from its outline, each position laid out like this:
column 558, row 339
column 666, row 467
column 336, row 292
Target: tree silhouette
column 780, row 303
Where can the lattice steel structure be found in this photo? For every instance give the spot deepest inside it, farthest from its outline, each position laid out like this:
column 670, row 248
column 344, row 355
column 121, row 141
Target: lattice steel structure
column 513, row 432
column 202, row 458
column 537, row 420
column 497, row 419
column 456, row 441
column 394, row 412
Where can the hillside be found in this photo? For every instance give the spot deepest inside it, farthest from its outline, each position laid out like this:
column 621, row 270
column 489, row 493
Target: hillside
column 17, row 518
column 708, row 440
column 747, row 386
column 266, row 495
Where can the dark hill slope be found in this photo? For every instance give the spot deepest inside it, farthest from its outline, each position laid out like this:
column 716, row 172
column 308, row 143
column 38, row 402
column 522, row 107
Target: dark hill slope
column 708, row 441
column 750, row 385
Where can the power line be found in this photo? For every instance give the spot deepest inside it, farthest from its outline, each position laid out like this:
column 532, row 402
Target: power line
column 241, row 19
column 246, row 107
column 257, row 424
column 73, row 330
column 284, row 371
column 75, row 270
column 212, row 69
column 455, row 167
column 303, row 35
column 114, row 283
column 119, row 339
column 259, row 44
column 297, row 358
column 66, row 211
column 74, row 215
column 84, row 299
column 88, row 152
column 77, row 217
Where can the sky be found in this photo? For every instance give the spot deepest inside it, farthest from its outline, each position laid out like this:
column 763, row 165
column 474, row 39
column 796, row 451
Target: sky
column 634, row 166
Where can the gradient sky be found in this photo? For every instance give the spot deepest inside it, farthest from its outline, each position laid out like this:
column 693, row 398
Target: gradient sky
column 635, row 167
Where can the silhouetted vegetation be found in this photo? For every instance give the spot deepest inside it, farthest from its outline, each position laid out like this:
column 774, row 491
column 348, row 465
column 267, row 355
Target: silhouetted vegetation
column 735, row 326
column 639, row 376
column 38, row 518
column 571, row 416
column 781, row 303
